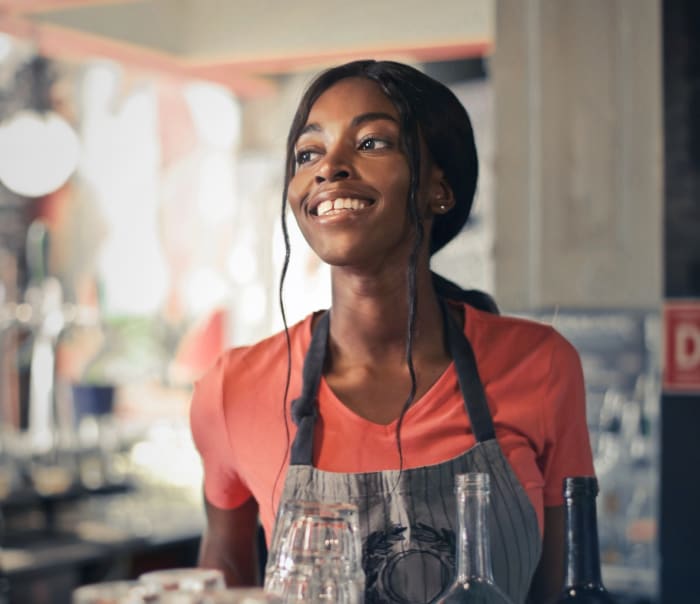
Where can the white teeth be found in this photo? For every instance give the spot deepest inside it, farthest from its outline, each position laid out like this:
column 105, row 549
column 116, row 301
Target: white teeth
column 323, row 207
column 340, row 204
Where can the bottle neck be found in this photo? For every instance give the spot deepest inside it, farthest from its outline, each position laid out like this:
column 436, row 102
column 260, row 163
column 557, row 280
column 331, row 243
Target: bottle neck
column 582, row 553
column 473, row 545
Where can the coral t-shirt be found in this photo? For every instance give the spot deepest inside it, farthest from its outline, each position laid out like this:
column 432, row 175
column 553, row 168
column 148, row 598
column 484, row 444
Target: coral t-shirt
column 531, row 375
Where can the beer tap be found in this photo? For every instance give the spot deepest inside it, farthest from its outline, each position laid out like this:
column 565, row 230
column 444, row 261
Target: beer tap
column 48, row 316
column 44, row 296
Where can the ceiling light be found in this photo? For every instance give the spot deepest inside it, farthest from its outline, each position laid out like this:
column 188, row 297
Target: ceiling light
column 39, row 152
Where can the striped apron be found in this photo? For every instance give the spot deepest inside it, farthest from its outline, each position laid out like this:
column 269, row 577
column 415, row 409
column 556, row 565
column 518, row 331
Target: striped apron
column 408, row 519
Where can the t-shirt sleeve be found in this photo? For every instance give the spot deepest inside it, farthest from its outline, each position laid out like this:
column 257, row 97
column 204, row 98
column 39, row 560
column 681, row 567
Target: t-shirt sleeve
column 568, row 450
column 223, row 486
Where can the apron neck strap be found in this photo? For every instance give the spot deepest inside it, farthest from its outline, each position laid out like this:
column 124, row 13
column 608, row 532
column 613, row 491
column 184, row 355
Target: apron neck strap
column 304, row 408
column 468, row 378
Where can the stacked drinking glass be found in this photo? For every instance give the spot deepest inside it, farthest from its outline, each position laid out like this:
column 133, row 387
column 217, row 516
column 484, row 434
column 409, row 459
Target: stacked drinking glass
column 316, row 554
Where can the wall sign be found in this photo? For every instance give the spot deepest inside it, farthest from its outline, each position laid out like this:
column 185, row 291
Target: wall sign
column 682, row 345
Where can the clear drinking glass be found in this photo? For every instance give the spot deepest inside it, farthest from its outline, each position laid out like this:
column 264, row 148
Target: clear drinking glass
column 318, row 584
column 291, row 511
column 115, row 592
column 196, row 580
column 316, row 554
column 239, row 595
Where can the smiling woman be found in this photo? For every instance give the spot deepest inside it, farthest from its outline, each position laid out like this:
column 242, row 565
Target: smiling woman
column 407, row 380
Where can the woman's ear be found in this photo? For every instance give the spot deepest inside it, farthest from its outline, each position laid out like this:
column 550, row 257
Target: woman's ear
column 440, row 195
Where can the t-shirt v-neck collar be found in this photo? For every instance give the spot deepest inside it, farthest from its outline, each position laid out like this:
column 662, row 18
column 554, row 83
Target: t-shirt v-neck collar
column 438, row 391
column 442, row 388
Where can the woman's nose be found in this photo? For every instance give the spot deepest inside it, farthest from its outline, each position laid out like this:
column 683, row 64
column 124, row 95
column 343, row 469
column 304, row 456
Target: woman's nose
column 339, row 174
column 333, row 166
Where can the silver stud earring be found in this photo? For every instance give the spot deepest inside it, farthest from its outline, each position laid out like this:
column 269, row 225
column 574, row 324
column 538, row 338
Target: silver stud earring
column 443, row 207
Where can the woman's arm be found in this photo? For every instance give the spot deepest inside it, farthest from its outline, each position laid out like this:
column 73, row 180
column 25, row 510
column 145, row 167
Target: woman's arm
column 230, row 543
column 568, row 453
column 549, row 576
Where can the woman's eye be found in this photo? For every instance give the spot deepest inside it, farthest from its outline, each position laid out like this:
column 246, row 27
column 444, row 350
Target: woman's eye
column 304, row 156
column 372, row 143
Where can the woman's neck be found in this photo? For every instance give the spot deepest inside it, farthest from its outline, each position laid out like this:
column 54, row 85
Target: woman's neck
column 369, row 317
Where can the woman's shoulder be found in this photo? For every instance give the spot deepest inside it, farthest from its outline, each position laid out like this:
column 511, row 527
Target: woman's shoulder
column 263, row 359
column 514, row 333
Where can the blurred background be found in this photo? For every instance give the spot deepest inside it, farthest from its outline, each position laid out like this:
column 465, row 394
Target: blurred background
column 141, row 166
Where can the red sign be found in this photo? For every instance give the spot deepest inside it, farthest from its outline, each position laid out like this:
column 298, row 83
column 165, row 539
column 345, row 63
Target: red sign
column 682, row 346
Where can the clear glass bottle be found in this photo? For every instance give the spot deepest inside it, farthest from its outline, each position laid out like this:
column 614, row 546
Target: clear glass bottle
column 474, row 582
column 582, row 579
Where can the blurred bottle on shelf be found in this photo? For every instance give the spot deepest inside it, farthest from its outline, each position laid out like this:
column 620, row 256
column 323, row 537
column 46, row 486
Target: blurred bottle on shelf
column 101, row 444
column 625, row 466
column 640, row 519
column 610, row 468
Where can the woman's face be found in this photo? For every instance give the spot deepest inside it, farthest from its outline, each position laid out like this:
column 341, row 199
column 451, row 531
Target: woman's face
column 349, row 192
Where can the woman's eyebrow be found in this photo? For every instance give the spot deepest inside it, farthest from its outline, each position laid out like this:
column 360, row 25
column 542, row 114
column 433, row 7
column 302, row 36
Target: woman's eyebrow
column 356, row 121
column 373, row 116
column 310, row 128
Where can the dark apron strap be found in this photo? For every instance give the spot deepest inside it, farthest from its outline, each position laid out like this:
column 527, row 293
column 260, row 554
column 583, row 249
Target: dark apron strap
column 468, row 378
column 305, row 408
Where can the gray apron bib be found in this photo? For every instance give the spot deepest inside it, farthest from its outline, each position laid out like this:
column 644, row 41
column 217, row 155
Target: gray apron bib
column 408, row 520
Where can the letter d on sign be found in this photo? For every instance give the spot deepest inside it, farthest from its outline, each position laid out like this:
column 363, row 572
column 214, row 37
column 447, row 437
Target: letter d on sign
column 687, row 346
column 682, row 346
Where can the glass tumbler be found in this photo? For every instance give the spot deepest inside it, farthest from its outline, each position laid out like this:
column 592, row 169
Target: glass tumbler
column 238, row 595
column 116, row 592
column 316, row 554
column 196, row 580
column 292, row 510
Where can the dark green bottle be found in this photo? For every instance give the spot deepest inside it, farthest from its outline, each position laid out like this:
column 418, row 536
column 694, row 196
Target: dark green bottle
column 582, row 578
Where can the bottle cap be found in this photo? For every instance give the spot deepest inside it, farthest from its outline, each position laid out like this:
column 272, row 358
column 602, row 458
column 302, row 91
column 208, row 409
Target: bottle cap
column 580, row 485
